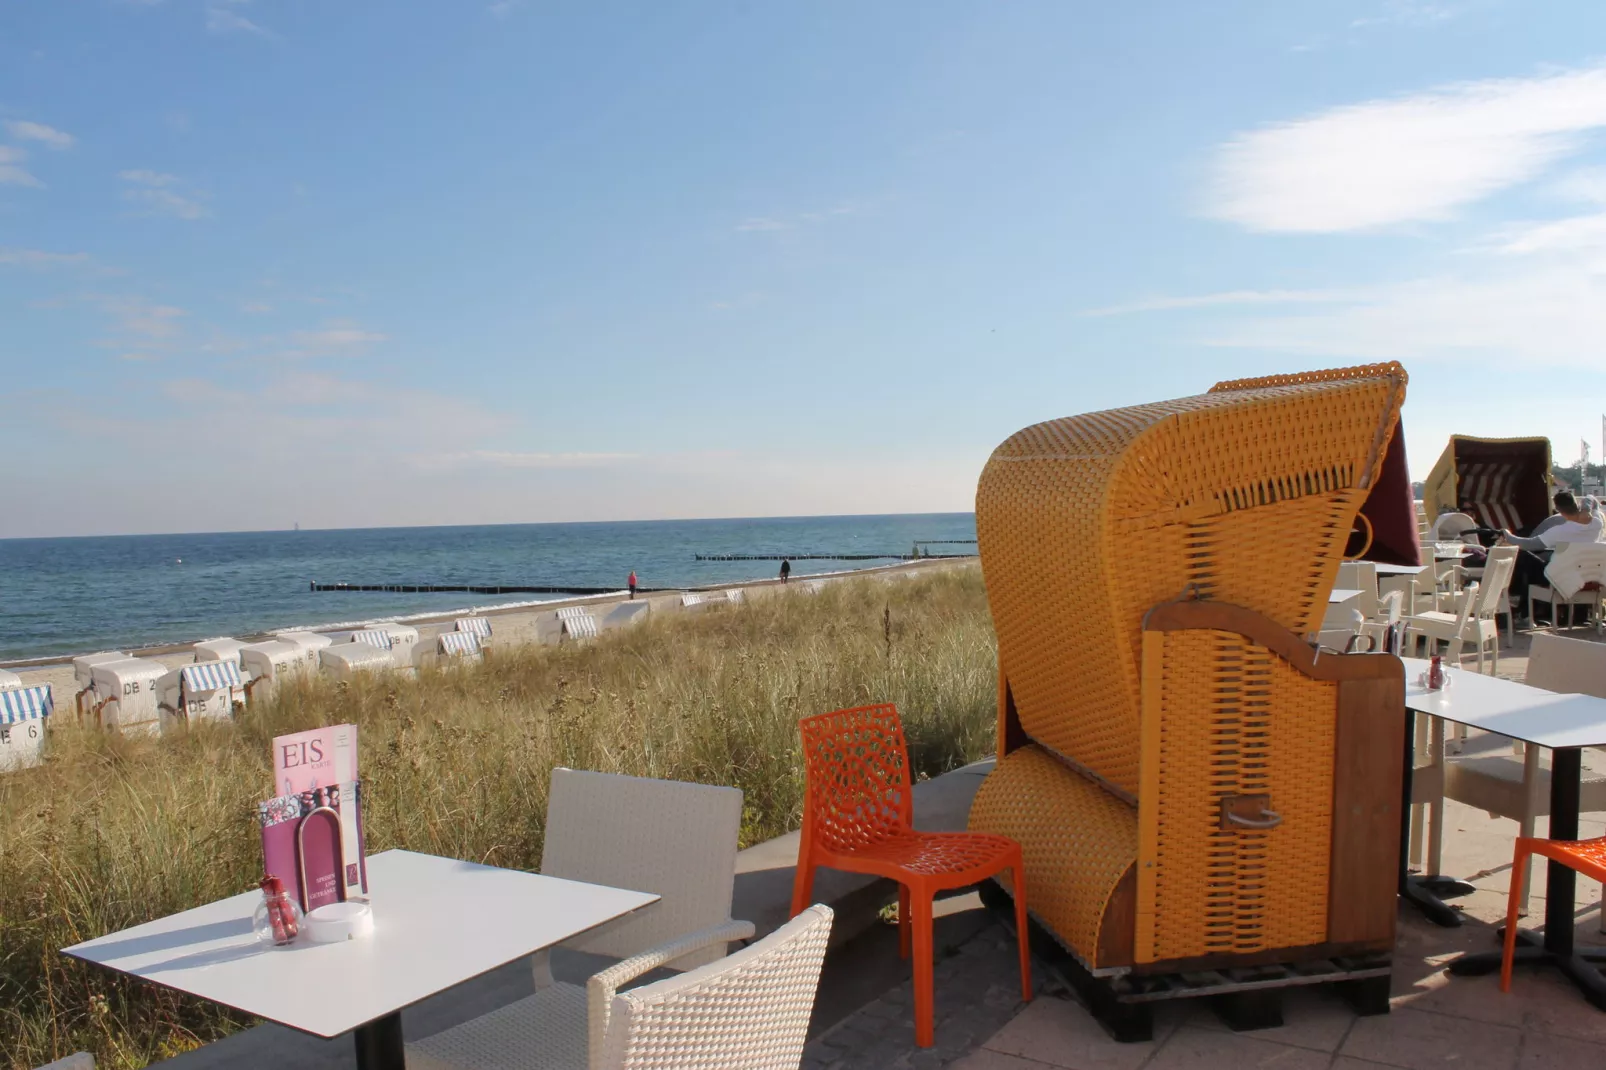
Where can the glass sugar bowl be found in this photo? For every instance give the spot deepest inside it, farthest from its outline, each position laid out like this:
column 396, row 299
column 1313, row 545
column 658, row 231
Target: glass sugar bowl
column 277, row 919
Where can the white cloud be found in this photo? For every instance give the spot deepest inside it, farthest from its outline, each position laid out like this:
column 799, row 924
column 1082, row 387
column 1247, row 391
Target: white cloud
column 1228, row 298
column 503, row 8
column 1413, row 158
column 336, row 337
column 142, row 177
column 11, row 171
column 223, row 20
column 1414, row 13
column 504, row 459
column 23, row 130
column 160, row 194
column 39, row 260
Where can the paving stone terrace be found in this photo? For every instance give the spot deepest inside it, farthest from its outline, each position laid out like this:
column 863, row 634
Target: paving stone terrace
column 1435, row 1020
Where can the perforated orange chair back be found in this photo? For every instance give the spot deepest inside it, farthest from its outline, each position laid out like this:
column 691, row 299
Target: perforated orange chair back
column 858, row 777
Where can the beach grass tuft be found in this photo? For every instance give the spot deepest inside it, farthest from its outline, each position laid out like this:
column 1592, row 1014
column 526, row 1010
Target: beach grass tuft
column 111, row 832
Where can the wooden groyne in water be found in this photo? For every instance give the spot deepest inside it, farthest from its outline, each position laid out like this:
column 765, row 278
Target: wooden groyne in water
column 454, row 588
column 827, row 557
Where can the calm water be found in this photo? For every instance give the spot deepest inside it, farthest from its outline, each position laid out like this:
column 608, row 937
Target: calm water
column 65, row 596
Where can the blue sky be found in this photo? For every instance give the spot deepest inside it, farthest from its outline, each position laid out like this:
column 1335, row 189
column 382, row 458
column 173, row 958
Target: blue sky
column 355, row 263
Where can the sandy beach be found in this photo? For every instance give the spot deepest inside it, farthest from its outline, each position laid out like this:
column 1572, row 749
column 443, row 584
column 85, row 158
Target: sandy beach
column 517, row 625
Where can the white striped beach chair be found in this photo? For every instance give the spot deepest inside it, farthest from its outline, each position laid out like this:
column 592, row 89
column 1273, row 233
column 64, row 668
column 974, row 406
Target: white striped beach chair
column 373, row 637
column 458, row 644
column 579, row 627
column 571, row 612
column 479, row 627
column 691, row 598
column 736, row 594
column 23, row 711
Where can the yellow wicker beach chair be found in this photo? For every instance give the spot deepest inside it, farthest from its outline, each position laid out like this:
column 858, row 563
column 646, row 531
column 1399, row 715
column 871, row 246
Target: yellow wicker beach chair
column 1205, row 804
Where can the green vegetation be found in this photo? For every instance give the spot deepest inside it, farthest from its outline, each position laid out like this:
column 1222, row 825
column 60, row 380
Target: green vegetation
column 111, row 832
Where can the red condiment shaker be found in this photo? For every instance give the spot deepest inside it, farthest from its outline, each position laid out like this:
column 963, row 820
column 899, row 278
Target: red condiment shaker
column 1436, row 673
column 282, row 917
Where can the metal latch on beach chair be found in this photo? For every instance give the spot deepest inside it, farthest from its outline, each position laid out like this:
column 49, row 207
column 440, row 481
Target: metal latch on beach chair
column 1248, row 812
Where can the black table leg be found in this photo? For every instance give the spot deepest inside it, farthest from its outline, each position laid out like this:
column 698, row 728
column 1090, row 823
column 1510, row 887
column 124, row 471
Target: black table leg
column 379, row 1044
column 1421, row 892
column 1556, row 946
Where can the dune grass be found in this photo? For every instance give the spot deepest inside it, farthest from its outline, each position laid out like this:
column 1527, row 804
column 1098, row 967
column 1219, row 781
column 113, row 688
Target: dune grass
column 111, row 832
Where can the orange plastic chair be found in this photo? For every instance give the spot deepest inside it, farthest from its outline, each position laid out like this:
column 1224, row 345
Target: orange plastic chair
column 857, row 817
column 1587, row 857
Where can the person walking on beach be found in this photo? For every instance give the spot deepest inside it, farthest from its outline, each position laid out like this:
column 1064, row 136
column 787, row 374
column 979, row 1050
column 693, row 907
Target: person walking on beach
column 786, row 570
column 632, row 582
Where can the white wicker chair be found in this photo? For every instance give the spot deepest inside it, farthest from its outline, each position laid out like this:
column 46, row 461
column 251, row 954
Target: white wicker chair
column 78, row 1061
column 749, row 1011
column 674, row 839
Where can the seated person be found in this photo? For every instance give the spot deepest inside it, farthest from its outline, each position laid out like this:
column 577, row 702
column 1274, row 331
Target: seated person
column 1577, row 523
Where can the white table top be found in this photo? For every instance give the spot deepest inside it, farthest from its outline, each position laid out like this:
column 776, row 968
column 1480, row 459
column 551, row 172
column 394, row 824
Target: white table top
column 1401, row 570
column 1341, row 595
column 437, row 922
column 1531, row 714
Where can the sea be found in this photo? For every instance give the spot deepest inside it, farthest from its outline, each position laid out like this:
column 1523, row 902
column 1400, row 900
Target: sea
column 73, row 595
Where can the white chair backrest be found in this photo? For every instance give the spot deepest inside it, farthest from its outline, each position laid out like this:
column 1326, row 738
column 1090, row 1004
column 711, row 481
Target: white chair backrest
column 1360, row 576
column 748, row 1010
column 1568, row 666
column 1495, row 586
column 1389, row 607
column 79, row 1061
column 479, row 626
column 1450, row 527
column 673, row 839
column 570, row 612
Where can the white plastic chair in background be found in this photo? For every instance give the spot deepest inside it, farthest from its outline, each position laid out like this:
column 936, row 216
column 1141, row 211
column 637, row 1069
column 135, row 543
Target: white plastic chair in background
column 1476, row 620
column 673, row 839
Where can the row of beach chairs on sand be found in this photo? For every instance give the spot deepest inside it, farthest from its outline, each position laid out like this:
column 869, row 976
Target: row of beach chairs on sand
column 125, row 693
column 133, row 694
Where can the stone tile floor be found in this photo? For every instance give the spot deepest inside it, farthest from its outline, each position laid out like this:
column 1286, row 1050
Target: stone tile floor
column 1436, row 1020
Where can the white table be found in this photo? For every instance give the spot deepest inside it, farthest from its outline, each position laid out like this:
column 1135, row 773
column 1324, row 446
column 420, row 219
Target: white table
column 437, row 922
column 1540, row 718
